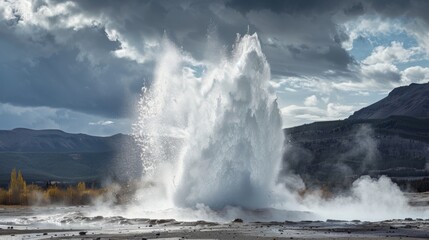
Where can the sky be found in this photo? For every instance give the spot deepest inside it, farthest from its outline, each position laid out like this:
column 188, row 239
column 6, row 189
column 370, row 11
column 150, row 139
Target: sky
column 79, row 66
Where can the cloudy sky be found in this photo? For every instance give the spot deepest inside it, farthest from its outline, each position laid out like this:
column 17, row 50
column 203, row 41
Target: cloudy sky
column 79, row 66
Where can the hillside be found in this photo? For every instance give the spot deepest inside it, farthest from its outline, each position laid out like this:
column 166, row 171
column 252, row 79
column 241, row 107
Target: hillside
column 412, row 101
column 389, row 137
column 54, row 155
column 334, row 154
column 27, row 140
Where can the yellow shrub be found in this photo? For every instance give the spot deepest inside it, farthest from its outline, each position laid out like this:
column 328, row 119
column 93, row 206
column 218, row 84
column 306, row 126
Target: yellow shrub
column 54, row 195
column 19, row 193
column 4, row 197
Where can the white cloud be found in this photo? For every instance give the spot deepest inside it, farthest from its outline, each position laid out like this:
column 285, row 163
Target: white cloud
column 354, row 86
column 378, row 71
column 383, row 77
column 325, row 99
column 366, row 26
column 66, row 14
column 12, row 116
column 294, row 115
column 416, row 74
column 277, row 83
column 362, row 93
column 311, row 101
column 418, row 29
column 289, row 89
column 395, row 53
column 381, row 72
column 6, row 11
column 128, row 51
column 102, row 122
column 311, row 83
column 30, row 117
column 336, row 111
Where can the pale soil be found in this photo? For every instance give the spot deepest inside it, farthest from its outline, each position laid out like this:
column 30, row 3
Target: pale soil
column 396, row 229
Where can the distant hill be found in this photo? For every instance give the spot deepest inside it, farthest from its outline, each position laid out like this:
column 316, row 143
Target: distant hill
column 412, row 101
column 334, row 154
column 27, row 140
column 54, row 155
column 389, row 137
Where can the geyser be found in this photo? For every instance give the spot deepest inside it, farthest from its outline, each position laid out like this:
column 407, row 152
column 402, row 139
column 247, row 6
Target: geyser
column 212, row 141
column 211, row 133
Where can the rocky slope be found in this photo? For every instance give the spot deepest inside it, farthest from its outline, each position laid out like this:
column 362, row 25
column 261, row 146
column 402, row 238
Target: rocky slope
column 389, row 137
column 412, row 100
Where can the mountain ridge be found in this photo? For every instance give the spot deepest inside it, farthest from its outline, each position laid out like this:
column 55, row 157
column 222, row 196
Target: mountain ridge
column 56, row 155
column 54, row 140
column 411, row 100
column 389, row 137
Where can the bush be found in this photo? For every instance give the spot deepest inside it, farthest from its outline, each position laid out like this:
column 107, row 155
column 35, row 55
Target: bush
column 4, row 197
column 19, row 193
column 54, row 195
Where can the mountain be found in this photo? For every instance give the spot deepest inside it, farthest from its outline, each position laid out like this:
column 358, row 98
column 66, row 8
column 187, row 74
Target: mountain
column 389, row 137
column 412, row 100
column 54, row 155
column 27, row 140
column 335, row 153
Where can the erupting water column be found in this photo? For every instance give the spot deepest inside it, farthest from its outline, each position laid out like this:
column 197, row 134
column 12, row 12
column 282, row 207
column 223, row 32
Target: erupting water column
column 212, row 133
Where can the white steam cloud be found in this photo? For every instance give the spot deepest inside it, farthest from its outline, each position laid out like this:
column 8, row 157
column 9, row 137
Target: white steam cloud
column 212, row 141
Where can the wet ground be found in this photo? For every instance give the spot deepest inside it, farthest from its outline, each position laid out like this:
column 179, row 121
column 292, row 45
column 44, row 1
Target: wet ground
column 70, row 223
column 170, row 229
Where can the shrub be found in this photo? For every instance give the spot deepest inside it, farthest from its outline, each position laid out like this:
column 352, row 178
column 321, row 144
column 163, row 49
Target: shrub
column 19, row 193
column 4, row 197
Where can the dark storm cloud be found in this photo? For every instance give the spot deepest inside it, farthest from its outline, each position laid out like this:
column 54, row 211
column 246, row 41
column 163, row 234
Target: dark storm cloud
column 289, row 24
column 355, row 10
column 301, row 44
column 390, row 8
column 185, row 23
column 286, row 6
column 411, row 9
column 94, row 56
column 43, row 71
column 394, row 8
column 48, row 64
column 62, row 61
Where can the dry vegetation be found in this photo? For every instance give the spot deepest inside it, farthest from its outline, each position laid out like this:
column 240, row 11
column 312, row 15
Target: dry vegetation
column 19, row 193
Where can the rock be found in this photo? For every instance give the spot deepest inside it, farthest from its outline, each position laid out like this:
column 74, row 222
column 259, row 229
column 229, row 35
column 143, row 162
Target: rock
column 238, row 220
